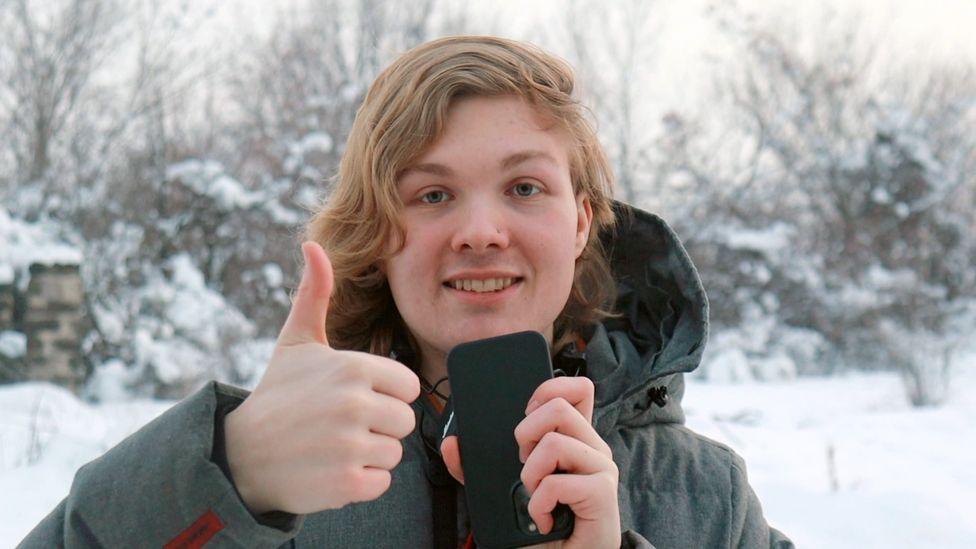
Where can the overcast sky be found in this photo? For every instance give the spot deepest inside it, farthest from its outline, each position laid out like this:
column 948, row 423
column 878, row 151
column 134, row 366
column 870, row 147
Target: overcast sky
column 907, row 29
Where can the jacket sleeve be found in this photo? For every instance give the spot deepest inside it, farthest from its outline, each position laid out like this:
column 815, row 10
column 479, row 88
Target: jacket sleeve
column 632, row 540
column 749, row 527
column 162, row 486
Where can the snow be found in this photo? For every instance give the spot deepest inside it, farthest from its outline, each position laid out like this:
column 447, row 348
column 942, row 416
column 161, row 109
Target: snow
column 904, row 475
column 208, row 178
column 315, row 142
column 13, row 344
column 282, row 215
column 272, row 275
column 898, row 476
column 183, row 324
column 770, row 240
column 25, row 244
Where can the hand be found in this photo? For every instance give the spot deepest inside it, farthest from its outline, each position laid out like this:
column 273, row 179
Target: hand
column 566, row 461
column 322, row 428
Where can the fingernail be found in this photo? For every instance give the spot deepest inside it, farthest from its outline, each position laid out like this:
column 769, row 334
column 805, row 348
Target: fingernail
column 532, row 406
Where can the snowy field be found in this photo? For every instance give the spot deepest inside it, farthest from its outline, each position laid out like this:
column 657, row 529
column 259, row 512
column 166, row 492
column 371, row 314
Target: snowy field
column 840, row 462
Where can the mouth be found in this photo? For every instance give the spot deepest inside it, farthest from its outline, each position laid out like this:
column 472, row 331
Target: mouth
column 482, row 285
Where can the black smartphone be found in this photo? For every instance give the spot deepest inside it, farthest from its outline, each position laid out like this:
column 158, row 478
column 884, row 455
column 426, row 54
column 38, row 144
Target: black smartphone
column 491, row 383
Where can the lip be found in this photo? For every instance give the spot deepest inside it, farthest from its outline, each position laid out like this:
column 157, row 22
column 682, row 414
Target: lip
column 480, row 275
column 483, row 298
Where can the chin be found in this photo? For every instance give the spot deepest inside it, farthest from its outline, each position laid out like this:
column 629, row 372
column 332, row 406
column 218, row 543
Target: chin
column 493, row 329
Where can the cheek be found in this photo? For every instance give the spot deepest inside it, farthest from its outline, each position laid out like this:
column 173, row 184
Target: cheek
column 555, row 248
column 413, row 265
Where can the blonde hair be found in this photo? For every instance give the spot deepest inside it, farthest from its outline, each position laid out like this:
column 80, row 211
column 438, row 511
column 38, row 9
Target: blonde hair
column 402, row 115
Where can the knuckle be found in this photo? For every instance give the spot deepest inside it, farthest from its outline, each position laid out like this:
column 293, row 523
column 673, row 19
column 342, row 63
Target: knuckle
column 409, row 420
column 373, row 484
column 358, row 479
column 607, row 483
column 521, row 436
column 546, row 484
column 349, row 370
column 345, row 481
column 353, row 406
column 562, row 408
column 360, row 488
column 411, row 381
column 587, row 384
column 551, row 441
column 347, row 448
column 395, row 452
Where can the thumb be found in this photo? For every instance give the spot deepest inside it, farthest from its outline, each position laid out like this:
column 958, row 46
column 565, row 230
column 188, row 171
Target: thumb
column 306, row 321
column 451, row 453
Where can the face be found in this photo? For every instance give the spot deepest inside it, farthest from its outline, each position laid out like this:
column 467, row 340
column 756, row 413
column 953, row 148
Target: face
column 492, row 228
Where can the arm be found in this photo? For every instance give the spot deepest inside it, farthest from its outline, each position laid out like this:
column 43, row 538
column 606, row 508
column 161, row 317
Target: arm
column 749, row 528
column 161, row 485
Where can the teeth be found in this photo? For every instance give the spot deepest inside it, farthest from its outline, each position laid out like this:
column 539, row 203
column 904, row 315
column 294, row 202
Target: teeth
column 481, row 286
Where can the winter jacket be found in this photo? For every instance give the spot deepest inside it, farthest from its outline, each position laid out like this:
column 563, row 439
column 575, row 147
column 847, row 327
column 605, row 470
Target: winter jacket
column 168, row 482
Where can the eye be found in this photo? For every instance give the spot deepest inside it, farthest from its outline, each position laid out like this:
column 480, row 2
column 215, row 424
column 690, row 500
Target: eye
column 434, row 197
column 525, row 189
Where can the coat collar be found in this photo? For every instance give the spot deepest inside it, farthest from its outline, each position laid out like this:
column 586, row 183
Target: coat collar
column 661, row 327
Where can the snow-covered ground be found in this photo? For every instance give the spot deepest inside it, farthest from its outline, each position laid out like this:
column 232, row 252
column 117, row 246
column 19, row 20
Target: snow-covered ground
column 898, row 476
column 846, row 462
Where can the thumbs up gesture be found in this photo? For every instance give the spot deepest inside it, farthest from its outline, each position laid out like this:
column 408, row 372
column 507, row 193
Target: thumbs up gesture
column 323, row 427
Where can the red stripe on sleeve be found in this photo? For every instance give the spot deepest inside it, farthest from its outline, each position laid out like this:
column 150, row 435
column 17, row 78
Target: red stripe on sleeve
column 198, row 533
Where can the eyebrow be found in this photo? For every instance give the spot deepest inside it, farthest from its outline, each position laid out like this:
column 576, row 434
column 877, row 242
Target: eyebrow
column 507, row 163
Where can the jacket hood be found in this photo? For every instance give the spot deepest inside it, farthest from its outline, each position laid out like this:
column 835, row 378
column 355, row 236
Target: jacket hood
column 661, row 329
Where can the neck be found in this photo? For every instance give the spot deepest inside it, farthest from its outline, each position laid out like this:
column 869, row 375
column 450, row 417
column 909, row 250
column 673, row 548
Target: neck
column 433, row 368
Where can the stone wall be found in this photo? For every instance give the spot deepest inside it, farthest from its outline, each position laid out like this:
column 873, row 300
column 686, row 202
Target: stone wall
column 11, row 355
column 51, row 315
column 6, row 306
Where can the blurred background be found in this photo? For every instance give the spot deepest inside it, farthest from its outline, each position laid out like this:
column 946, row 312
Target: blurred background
column 159, row 158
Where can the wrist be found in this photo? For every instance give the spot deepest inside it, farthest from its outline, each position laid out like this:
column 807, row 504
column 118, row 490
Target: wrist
column 237, row 469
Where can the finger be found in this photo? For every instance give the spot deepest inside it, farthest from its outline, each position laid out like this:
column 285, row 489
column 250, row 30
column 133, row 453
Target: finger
column 383, row 452
column 391, row 417
column 451, row 453
column 558, row 452
column 589, row 497
column 392, row 378
column 306, row 320
column 578, row 391
column 559, row 416
column 370, row 483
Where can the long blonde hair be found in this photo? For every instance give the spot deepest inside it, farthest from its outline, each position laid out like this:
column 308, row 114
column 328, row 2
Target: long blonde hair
column 402, row 115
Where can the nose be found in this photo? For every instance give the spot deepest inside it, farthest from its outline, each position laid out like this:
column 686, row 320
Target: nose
column 481, row 226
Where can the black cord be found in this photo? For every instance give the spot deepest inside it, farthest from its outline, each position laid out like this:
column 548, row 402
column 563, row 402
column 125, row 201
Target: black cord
column 432, row 389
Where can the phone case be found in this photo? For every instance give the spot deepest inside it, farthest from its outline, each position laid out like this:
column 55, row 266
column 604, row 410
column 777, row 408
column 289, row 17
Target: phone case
column 491, row 383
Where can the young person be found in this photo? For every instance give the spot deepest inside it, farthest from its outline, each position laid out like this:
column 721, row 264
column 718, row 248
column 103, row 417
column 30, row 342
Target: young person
column 473, row 200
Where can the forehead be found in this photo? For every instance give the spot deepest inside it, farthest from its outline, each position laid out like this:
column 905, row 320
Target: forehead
column 501, row 131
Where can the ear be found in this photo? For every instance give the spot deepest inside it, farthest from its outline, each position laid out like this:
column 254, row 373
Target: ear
column 584, row 219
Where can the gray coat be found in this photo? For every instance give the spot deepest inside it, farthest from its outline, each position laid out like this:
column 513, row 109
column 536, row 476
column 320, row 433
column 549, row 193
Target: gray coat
column 168, row 482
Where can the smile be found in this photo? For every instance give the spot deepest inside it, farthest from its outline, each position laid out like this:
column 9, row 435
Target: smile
column 481, row 285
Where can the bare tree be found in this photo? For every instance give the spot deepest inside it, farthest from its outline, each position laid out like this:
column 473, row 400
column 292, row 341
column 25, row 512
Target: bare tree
column 48, row 56
column 870, row 170
column 612, row 47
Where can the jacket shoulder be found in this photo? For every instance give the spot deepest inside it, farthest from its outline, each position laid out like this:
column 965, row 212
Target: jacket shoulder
column 669, row 457
column 679, row 488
